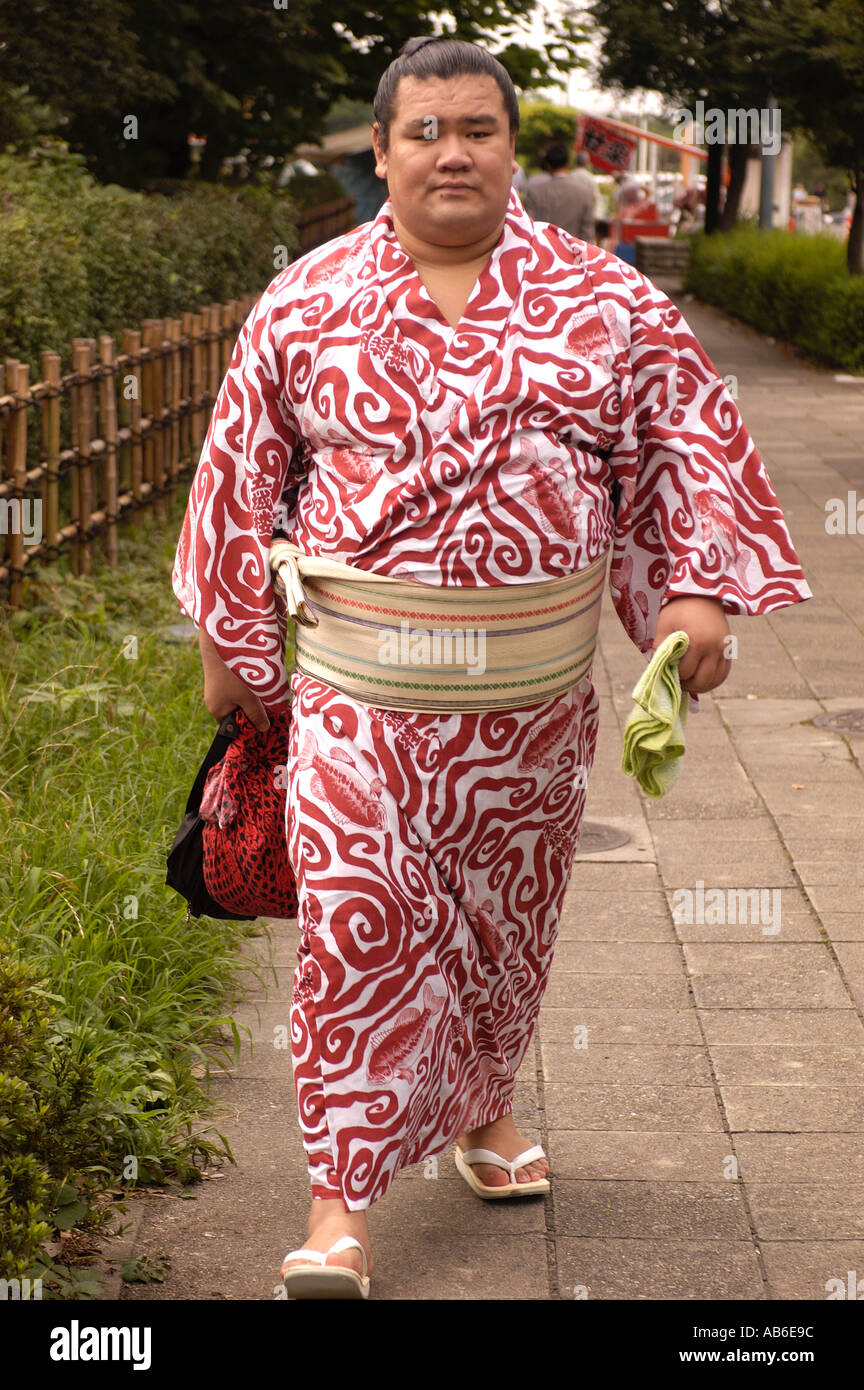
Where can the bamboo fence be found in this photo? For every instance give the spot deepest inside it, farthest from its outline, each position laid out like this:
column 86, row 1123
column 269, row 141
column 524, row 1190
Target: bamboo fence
column 118, row 432
column 135, row 423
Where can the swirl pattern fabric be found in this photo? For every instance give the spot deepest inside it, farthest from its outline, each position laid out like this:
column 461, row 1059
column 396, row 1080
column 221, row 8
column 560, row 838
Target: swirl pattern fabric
column 570, row 409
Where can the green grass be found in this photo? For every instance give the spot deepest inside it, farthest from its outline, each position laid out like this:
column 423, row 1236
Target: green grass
column 99, row 749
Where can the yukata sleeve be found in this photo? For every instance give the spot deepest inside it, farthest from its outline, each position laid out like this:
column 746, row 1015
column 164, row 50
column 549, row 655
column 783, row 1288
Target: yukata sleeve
column 245, row 482
column 696, row 514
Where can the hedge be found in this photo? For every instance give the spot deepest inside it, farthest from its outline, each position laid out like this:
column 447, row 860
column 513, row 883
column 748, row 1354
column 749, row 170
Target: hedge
column 80, row 258
column 793, row 286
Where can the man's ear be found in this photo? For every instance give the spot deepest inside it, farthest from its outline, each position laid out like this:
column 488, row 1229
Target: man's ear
column 380, row 156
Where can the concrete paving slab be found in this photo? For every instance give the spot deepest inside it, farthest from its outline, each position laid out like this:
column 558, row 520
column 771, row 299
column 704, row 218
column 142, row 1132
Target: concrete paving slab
column 620, row 957
column 577, row 991
column 646, row 1107
column 607, row 1062
column 810, row 1157
column 794, row 1107
column 614, row 1210
column 777, row 1027
column 611, row 1024
column 650, row 1269
column 813, row 1269
column 806, row 991
column 807, row 1211
column 659, row 1155
column 803, row 1065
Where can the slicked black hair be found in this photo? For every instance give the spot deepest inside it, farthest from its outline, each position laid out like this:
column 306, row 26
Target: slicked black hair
column 557, row 156
column 443, row 58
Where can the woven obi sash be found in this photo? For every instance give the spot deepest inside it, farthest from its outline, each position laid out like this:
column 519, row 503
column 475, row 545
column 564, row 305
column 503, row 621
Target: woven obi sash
column 397, row 644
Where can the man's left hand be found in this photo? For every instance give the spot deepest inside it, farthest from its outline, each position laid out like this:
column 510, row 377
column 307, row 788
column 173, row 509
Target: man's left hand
column 703, row 666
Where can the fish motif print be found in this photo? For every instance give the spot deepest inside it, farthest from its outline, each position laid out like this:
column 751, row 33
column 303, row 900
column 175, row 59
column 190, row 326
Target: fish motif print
column 548, row 736
column 352, row 467
column 336, row 780
column 394, row 1045
column 491, row 933
column 717, row 519
column 632, row 605
column 432, row 853
column 595, row 337
column 338, row 268
column 551, row 490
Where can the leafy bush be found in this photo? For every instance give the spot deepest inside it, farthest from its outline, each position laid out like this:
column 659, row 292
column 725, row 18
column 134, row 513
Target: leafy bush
column 82, row 258
column 540, row 124
column 794, row 286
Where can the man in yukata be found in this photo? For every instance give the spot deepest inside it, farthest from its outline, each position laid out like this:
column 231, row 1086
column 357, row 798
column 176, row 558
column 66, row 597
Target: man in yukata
column 456, row 395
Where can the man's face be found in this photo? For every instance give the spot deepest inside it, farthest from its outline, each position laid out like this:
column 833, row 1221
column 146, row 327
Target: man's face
column 450, row 158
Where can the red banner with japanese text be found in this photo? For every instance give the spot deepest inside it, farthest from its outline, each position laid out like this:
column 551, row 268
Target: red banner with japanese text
column 607, row 148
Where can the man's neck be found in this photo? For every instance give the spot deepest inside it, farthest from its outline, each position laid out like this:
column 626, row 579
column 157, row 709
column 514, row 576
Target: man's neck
column 427, row 253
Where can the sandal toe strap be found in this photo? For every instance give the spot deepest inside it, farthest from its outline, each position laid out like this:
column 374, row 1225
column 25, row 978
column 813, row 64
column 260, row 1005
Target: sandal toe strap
column 317, row 1257
column 489, row 1156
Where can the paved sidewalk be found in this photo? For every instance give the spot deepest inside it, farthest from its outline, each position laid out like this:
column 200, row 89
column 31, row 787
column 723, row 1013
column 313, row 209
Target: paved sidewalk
column 708, row 1142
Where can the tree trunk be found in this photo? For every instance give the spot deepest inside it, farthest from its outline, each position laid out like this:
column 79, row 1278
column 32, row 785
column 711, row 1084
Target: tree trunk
column 737, row 156
column 855, row 246
column 713, row 184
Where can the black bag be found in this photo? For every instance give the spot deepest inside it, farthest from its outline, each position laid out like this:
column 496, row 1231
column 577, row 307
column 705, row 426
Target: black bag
column 186, row 855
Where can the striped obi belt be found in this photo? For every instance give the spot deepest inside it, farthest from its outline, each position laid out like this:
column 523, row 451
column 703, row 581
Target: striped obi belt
column 397, row 644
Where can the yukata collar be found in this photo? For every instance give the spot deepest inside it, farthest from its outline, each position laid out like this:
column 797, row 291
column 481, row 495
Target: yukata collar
column 509, row 256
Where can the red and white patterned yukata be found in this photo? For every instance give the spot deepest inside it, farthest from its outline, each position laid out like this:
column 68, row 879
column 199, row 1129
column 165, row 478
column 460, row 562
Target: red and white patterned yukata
column 432, row 852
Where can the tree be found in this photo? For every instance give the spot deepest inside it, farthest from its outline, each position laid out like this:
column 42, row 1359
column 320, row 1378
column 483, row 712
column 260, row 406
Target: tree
column 541, row 123
column 131, row 80
column 808, row 54
column 689, row 50
column 817, row 48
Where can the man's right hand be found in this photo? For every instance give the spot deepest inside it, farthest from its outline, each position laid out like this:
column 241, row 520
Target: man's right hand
column 224, row 691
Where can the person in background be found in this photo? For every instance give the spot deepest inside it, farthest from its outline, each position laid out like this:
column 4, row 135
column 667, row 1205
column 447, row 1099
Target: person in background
column 564, row 199
column 629, row 192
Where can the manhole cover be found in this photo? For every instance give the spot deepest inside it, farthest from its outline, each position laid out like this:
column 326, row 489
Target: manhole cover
column 597, row 838
column 847, row 721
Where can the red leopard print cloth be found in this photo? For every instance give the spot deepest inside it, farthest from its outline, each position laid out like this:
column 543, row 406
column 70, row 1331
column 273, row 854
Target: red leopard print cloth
column 245, row 847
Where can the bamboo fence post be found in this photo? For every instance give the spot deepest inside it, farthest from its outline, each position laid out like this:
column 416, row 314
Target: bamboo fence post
column 74, row 481
column 186, row 433
column 81, row 363
column 147, row 410
column 132, row 349
column 214, row 356
column 17, row 465
column 108, row 431
column 196, row 382
column 229, row 315
column 172, row 333
column 160, row 461
column 51, row 447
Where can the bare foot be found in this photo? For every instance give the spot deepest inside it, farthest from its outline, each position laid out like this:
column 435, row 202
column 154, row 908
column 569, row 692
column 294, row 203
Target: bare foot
column 503, row 1138
column 328, row 1220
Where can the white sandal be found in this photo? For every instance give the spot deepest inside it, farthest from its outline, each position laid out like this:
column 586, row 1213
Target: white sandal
column 319, row 1280
column 511, row 1189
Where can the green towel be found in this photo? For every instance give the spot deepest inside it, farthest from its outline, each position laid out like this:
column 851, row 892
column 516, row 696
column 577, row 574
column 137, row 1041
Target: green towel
column 654, row 733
